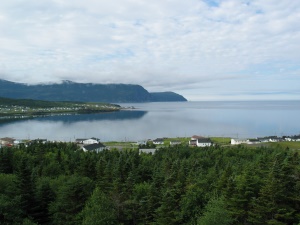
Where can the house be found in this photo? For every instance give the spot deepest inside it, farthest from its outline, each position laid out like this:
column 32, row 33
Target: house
column 287, row 138
column 7, row 141
column 295, row 138
column 270, row 139
column 91, row 141
column 263, row 139
column 141, row 142
column 158, row 141
column 239, row 141
column 175, row 142
column 42, row 141
column 253, row 141
column 193, row 143
column 275, row 139
column 18, row 141
column 147, row 150
column 196, row 137
column 88, row 141
column 203, row 142
column 96, row 147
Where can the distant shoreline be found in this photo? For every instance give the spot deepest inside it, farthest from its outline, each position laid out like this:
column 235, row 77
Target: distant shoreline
column 57, row 113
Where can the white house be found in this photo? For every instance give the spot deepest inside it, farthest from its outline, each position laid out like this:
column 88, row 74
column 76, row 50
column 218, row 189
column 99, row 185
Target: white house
column 204, row 142
column 274, row 139
column 17, row 142
column 253, row 141
column 158, row 141
column 144, row 142
column 269, row 139
column 287, row 138
column 239, row 141
column 88, row 141
column 296, row 138
column 91, row 141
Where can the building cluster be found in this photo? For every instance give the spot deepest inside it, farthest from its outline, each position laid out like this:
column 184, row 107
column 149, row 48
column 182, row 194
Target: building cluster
column 265, row 139
column 87, row 144
column 150, row 146
column 24, row 109
column 195, row 141
column 9, row 142
column 200, row 141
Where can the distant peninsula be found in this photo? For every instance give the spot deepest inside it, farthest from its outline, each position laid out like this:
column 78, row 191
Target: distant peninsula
column 19, row 108
column 85, row 92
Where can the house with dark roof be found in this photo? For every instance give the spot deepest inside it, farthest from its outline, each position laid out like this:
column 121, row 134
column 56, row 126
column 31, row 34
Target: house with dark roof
column 253, row 141
column 96, row 147
column 158, row 141
column 196, row 137
column 295, row 138
column 204, row 142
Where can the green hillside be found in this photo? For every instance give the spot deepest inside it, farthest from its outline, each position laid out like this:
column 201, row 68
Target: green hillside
column 84, row 92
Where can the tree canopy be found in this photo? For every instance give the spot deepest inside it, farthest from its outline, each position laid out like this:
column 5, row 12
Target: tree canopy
column 58, row 183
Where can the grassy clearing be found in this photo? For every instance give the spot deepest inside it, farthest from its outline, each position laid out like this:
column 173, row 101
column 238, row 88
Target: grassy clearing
column 221, row 140
column 183, row 140
column 117, row 143
column 286, row 144
column 120, row 145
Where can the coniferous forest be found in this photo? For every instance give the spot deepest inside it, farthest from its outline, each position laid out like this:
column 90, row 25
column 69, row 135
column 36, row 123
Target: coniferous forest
column 57, row 183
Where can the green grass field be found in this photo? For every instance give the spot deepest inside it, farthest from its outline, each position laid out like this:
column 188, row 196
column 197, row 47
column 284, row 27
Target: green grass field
column 286, row 144
column 221, row 140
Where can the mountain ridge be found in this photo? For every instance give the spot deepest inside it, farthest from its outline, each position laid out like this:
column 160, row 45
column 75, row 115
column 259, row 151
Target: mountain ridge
column 85, row 92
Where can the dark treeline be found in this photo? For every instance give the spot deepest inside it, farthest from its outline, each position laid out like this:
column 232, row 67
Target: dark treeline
column 57, row 183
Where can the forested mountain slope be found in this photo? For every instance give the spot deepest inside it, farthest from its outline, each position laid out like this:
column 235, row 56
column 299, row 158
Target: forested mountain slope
column 70, row 91
column 57, row 183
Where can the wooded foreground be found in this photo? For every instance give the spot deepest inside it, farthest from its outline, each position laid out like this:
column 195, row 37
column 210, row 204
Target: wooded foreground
column 57, row 183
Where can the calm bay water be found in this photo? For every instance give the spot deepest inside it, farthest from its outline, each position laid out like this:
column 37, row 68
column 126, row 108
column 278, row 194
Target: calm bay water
column 173, row 119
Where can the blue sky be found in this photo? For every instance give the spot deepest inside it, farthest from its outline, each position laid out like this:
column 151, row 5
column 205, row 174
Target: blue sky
column 202, row 49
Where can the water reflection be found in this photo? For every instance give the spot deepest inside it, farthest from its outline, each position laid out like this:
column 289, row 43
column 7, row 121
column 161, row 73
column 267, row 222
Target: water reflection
column 152, row 120
column 71, row 118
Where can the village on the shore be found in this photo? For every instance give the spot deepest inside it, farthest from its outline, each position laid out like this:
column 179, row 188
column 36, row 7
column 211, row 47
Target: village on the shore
column 147, row 146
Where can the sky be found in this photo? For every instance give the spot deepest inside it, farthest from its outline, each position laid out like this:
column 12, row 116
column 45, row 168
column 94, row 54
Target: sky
column 201, row 49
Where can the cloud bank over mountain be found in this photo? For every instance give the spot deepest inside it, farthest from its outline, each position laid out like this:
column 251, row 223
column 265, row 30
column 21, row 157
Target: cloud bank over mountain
column 204, row 50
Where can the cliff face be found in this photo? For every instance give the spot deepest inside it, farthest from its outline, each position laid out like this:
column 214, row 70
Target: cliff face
column 167, row 97
column 70, row 91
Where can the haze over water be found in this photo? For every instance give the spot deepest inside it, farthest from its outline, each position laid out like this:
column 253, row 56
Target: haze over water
column 242, row 119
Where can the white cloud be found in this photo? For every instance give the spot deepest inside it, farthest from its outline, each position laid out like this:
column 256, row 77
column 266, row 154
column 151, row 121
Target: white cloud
column 184, row 46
